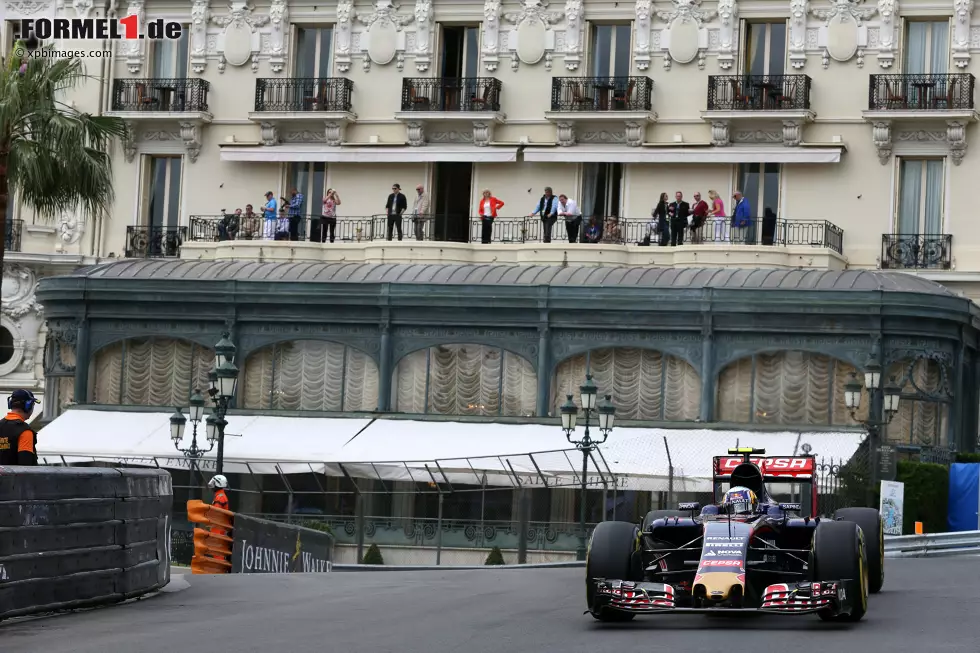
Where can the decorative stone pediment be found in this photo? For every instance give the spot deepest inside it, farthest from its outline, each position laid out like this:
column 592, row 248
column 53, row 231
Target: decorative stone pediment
column 844, row 33
column 327, row 127
column 685, row 39
column 532, row 39
column 384, row 39
column 887, row 131
column 422, row 127
column 629, row 127
column 163, row 133
column 240, row 41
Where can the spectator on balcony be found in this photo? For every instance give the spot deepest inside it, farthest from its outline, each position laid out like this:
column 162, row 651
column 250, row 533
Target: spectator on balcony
column 592, row 233
column 680, row 218
column 700, row 214
column 282, row 224
column 741, row 219
column 548, row 210
column 228, row 226
column 568, row 210
column 327, row 223
column 716, row 214
column 420, row 212
column 269, row 216
column 394, row 208
column 295, row 213
column 250, row 225
column 488, row 212
column 658, row 223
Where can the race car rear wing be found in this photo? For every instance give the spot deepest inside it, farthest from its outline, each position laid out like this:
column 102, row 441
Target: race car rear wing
column 775, row 469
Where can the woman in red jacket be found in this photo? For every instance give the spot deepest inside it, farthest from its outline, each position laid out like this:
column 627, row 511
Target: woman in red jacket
column 487, row 211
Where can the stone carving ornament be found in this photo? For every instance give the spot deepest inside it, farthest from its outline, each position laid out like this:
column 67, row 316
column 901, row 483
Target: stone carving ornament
column 279, row 20
column 199, row 35
column 685, row 38
column 423, row 35
column 240, row 40
column 133, row 50
column 887, row 13
column 798, row 9
column 82, row 7
column 962, row 12
column 641, row 38
column 532, row 39
column 385, row 36
column 843, row 34
column 727, row 46
column 491, row 34
column 573, row 34
column 72, row 227
column 342, row 29
column 18, row 299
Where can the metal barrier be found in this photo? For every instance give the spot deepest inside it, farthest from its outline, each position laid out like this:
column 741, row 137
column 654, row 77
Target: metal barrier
column 537, row 565
column 80, row 537
column 933, row 545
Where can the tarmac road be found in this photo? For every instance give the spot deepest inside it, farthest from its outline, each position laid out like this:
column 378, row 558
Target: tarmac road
column 927, row 605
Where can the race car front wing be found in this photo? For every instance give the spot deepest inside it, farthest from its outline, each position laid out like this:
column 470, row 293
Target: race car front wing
column 781, row 598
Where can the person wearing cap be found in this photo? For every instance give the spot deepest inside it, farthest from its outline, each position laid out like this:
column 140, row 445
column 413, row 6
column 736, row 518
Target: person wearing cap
column 18, row 441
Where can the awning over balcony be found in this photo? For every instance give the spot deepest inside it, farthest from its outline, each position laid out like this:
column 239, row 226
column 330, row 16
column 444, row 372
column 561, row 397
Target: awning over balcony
column 369, row 154
column 731, row 154
column 406, row 450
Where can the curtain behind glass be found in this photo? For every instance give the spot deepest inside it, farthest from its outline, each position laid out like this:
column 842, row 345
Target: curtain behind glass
column 471, row 56
column 590, row 181
column 910, row 197
column 314, row 199
column 601, row 46
column 164, row 56
column 173, row 192
column 326, row 47
column 305, row 53
column 770, row 190
column 939, row 48
column 158, row 191
column 181, row 62
column 777, row 48
column 757, row 48
column 915, row 48
column 750, row 183
column 621, row 60
column 934, row 197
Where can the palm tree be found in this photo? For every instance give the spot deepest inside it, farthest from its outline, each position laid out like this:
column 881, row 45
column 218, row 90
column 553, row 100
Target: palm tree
column 55, row 156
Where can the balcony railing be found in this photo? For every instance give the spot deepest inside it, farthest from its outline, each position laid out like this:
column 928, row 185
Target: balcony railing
column 509, row 230
column 758, row 93
column 154, row 241
column 921, row 92
column 461, row 94
column 303, row 94
column 158, row 94
column 601, row 94
column 916, row 251
column 11, row 241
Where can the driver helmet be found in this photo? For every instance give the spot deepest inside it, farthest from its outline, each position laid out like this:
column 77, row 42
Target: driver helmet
column 742, row 500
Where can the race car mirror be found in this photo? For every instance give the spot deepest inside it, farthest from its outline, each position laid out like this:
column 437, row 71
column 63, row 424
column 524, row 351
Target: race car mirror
column 693, row 506
column 790, row 507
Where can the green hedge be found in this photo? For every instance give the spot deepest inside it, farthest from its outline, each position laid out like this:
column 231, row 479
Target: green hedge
column 926, row 495
column 496, row 557
column 965, row 457
column 373, row 556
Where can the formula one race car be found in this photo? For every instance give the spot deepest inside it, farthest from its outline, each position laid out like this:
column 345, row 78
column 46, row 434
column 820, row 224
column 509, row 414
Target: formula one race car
column 745, row 554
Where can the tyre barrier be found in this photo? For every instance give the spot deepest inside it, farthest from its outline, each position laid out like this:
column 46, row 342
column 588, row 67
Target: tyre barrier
column 81, row 537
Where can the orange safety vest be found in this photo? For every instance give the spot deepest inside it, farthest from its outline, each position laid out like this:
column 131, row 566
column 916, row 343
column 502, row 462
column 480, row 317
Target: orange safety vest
column 220, row 501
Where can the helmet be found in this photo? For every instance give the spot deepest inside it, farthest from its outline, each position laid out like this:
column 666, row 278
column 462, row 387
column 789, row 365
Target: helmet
column 741, row 500
column 23, row 400
column 218, row 481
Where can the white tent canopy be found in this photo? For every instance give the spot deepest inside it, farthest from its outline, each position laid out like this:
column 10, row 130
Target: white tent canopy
column 400, row 449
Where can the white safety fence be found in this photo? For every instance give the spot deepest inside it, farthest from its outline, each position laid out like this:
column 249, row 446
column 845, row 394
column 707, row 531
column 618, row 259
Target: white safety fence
column 933, row 545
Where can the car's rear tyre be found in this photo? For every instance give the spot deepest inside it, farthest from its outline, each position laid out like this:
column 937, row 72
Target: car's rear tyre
column 654, row 515
column 871, row 523
column 839, row 554
column 610, row 555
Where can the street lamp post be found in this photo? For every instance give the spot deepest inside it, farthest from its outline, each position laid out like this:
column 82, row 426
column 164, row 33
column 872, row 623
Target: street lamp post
column 881, row 411
column 569, row 416
column 178, row 424
column 224, row 379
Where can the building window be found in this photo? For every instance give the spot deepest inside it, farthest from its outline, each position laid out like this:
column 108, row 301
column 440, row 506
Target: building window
column 926, row 47
column 759, row 183
column 168, row 58
column 310, row 180
column 920, row 196
column 602, row 188
column 460, row 51
column 161, row 191
column 313, row 49
column 610, row 47
column 765, row 51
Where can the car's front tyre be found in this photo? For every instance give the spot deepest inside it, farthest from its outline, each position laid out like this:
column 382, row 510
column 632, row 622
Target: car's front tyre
column 839, row 554
column 610, row 555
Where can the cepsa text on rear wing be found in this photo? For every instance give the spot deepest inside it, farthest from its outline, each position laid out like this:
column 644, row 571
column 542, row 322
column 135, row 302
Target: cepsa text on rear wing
column 775, row 469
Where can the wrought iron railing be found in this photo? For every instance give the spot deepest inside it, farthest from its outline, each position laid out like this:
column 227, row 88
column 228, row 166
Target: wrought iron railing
column 609, row 230
column 11, row 240
column 457, row 94
column 154, row 241
column 916, row 251
column 601, row 94
column 921, row 92
column 758, row 92
column 160, row 94
column 303, row 94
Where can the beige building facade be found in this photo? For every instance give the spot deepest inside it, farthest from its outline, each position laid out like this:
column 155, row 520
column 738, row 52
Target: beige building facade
column 846, row 126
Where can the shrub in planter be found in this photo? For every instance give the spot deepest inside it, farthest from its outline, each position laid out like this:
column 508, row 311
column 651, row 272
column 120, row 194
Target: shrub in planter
column 373, row 556
column 495, row 557
column 926, row 495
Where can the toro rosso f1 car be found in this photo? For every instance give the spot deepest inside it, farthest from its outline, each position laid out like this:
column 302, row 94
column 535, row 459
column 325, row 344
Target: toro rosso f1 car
column 745, row 554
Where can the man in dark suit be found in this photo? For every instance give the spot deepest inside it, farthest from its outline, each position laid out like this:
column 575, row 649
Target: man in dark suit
column 678, row 211
column 396, row 205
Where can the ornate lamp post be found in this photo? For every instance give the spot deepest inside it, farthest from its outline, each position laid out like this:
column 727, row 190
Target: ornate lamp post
column 224, row 380
column 884, row 402
column 569, row 416
column 178, row 424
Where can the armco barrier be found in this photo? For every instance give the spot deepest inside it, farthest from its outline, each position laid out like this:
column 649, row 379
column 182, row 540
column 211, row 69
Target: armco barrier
column 538, row 565
column 934, row 545
column 240, row 544
column 78, row 537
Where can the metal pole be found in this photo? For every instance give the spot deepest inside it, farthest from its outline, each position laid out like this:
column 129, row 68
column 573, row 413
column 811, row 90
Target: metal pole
column 873, row 462
column 581, row 512
column 439, row 532
column 523, row 519
column 359, row 524
column 220, row 463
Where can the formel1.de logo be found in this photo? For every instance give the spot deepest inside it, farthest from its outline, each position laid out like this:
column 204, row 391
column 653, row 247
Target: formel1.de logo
column 83, row 29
